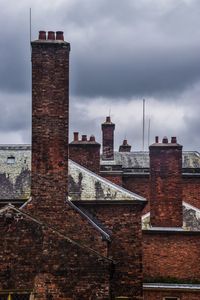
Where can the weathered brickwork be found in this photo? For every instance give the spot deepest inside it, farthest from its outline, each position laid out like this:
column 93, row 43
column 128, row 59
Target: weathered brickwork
column 165, row 184
column 160, row 295
column 124, row 221
column 86, row 153
column 115, row 178
column 50, row 101
column 138, row 185
column 39, row 259
column 108, row 139
column 191, row 190
column 171, row 256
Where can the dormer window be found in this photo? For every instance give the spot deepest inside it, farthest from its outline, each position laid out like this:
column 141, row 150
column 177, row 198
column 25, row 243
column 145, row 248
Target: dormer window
column 10, row 160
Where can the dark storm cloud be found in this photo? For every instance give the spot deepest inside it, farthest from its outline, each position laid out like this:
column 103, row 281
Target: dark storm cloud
column 154, row 73
column 135, row 49
column 15, row 112
column 121, row 51
column 14, row 51
column 118, row 48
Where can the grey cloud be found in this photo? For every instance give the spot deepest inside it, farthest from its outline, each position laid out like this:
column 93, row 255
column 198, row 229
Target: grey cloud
column 15, row 58
column 135, row 50
column 154, row 73
column 15, row 112
column 120, row 50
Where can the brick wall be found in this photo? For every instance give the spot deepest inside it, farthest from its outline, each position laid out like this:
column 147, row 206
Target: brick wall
column 171, row 256
column 191, row 190
column 115, row 178
column 138, row 185
column 37, row 258
column 86, row 153
column 124, row 221
column 165, row 184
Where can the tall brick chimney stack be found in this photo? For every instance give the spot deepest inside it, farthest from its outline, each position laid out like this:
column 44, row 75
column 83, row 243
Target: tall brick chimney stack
column 165, row 183
column 125, row 147
column 50, row 101
column 108, row 139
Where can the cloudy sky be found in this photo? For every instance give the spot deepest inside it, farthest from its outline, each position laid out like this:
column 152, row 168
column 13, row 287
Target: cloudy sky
column 122, row 52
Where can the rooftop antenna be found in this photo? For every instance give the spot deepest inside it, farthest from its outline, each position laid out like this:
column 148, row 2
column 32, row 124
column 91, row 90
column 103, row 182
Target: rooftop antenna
column 149, row 128
column 109, row 112
column 30, row 26
column 143, row 125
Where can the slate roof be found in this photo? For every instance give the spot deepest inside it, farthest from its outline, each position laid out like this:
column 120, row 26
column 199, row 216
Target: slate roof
column 86, row 185
column 140, row 159
column 83, row 184
column 15, row 164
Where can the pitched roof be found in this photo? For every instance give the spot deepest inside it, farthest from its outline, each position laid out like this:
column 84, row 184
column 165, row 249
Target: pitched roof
column 140, row 159
column 83, row 184
column 86, row 185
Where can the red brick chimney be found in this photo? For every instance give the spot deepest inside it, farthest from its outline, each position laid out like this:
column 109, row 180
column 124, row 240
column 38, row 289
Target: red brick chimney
column 85, row 152
column 165, row 183
column 50, row 101
column 108, row 139
column 125, row 147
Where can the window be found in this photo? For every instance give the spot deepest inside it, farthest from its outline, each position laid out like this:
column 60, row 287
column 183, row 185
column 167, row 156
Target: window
column 15, row 296
column 10, row 160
